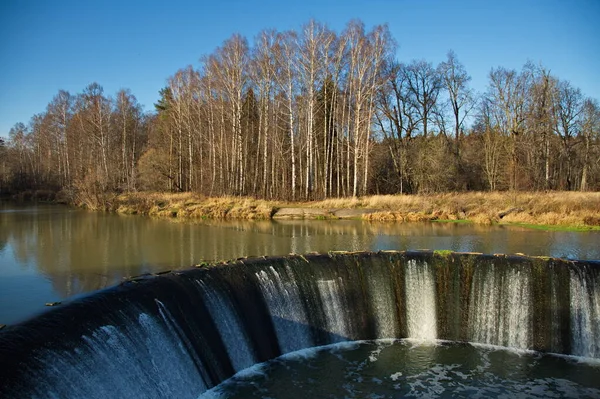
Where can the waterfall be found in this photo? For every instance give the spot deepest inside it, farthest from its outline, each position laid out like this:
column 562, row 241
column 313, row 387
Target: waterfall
column 585, row 313
column 383, row 303
column 420, row 301
column 143, row 351
column 233, row 333
column 334, row 309
column 555, row 327
column 516, row 329
column 286, row 309
column 181, row 333
column 499, row 308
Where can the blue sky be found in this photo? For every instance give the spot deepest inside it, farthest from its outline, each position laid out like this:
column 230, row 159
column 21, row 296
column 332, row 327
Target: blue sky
column 61, row 44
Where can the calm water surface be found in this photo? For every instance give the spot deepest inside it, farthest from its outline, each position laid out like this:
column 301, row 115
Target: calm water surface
column 49, row 252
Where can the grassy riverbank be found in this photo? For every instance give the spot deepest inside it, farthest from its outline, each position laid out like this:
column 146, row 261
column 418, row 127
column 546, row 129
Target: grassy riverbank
column 190, row 205
column 564, row 210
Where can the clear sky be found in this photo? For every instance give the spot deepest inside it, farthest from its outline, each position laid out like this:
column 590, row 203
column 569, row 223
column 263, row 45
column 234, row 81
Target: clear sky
column 62, row 44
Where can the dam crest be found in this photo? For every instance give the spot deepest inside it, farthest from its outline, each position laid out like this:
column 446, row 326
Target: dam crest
column 180, row 333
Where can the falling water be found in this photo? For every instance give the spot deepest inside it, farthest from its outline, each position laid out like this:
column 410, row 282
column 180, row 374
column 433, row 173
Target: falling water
column 231, row 329
column 383, row 304
column 131, row 360
column 420, row 301
column 484, row 307
column 334, row 309
column 286, row 308
column 516, row 327
column 585, row 314
column 181, row 334
column 499, row 309
column 555, row 321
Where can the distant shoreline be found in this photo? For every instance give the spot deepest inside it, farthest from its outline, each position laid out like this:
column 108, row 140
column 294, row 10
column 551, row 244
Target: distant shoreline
column 553, row 210
column 574, row 211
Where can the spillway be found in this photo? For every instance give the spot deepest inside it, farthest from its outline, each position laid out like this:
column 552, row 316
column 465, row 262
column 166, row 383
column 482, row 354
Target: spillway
column 181, row 333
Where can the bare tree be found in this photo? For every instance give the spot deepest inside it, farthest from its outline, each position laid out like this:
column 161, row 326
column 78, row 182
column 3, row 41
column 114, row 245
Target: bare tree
column 590, row 131
column 312, row 114
column 455, row 80
column 60, row 112
column 424, row 85
column 93, row 117
column 184, row 88
column 313, row 48
column 540, row 123
column 489, row 126
column 128, row 120
column 508, row 91
column 287, row 83
column 263, row 71
column 568, row 105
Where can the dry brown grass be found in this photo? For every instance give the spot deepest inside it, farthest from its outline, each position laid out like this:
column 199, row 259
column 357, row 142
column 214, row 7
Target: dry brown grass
column 189, row 205
column 551, row 208
column 541, row 208
column 397, row 217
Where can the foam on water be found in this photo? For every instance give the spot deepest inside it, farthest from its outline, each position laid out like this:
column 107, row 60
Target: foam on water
column 498, row 373
column 396, row 375
column 381, row 344
column 180, row 334
column 219, row 391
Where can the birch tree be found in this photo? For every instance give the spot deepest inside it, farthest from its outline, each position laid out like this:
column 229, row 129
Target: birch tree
column 287, row 84
column 60, row 112
column 94, row 121
column 127, row 117
column 264, row 70
column 232, row 59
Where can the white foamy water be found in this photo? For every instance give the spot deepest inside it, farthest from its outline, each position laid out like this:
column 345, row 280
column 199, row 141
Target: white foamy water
column 420, row 301
column 396, row 376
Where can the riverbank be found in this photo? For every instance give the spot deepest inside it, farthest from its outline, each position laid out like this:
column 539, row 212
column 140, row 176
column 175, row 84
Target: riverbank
column 564, row 210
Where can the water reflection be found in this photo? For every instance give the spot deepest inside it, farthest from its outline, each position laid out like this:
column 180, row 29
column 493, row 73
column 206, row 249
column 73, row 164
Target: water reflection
column 51, row 252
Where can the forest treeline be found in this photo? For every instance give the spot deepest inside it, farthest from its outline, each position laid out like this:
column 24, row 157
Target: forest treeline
column 313, row 114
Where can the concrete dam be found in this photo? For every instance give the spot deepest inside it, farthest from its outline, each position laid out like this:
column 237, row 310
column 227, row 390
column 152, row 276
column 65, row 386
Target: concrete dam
column 182, row 333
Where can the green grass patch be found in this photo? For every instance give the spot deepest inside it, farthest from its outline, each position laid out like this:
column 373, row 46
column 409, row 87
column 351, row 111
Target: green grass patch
column 457, row 221
column 546, row 227
column 443, row 252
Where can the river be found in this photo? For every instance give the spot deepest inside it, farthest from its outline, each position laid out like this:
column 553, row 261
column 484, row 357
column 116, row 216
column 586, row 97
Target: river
column 49, row 253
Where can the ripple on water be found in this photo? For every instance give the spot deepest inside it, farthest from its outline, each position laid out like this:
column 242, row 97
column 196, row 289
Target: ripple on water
column 409, row 368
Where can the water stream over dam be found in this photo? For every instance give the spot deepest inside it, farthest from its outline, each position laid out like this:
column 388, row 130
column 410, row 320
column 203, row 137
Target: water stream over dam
column 181, row 333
